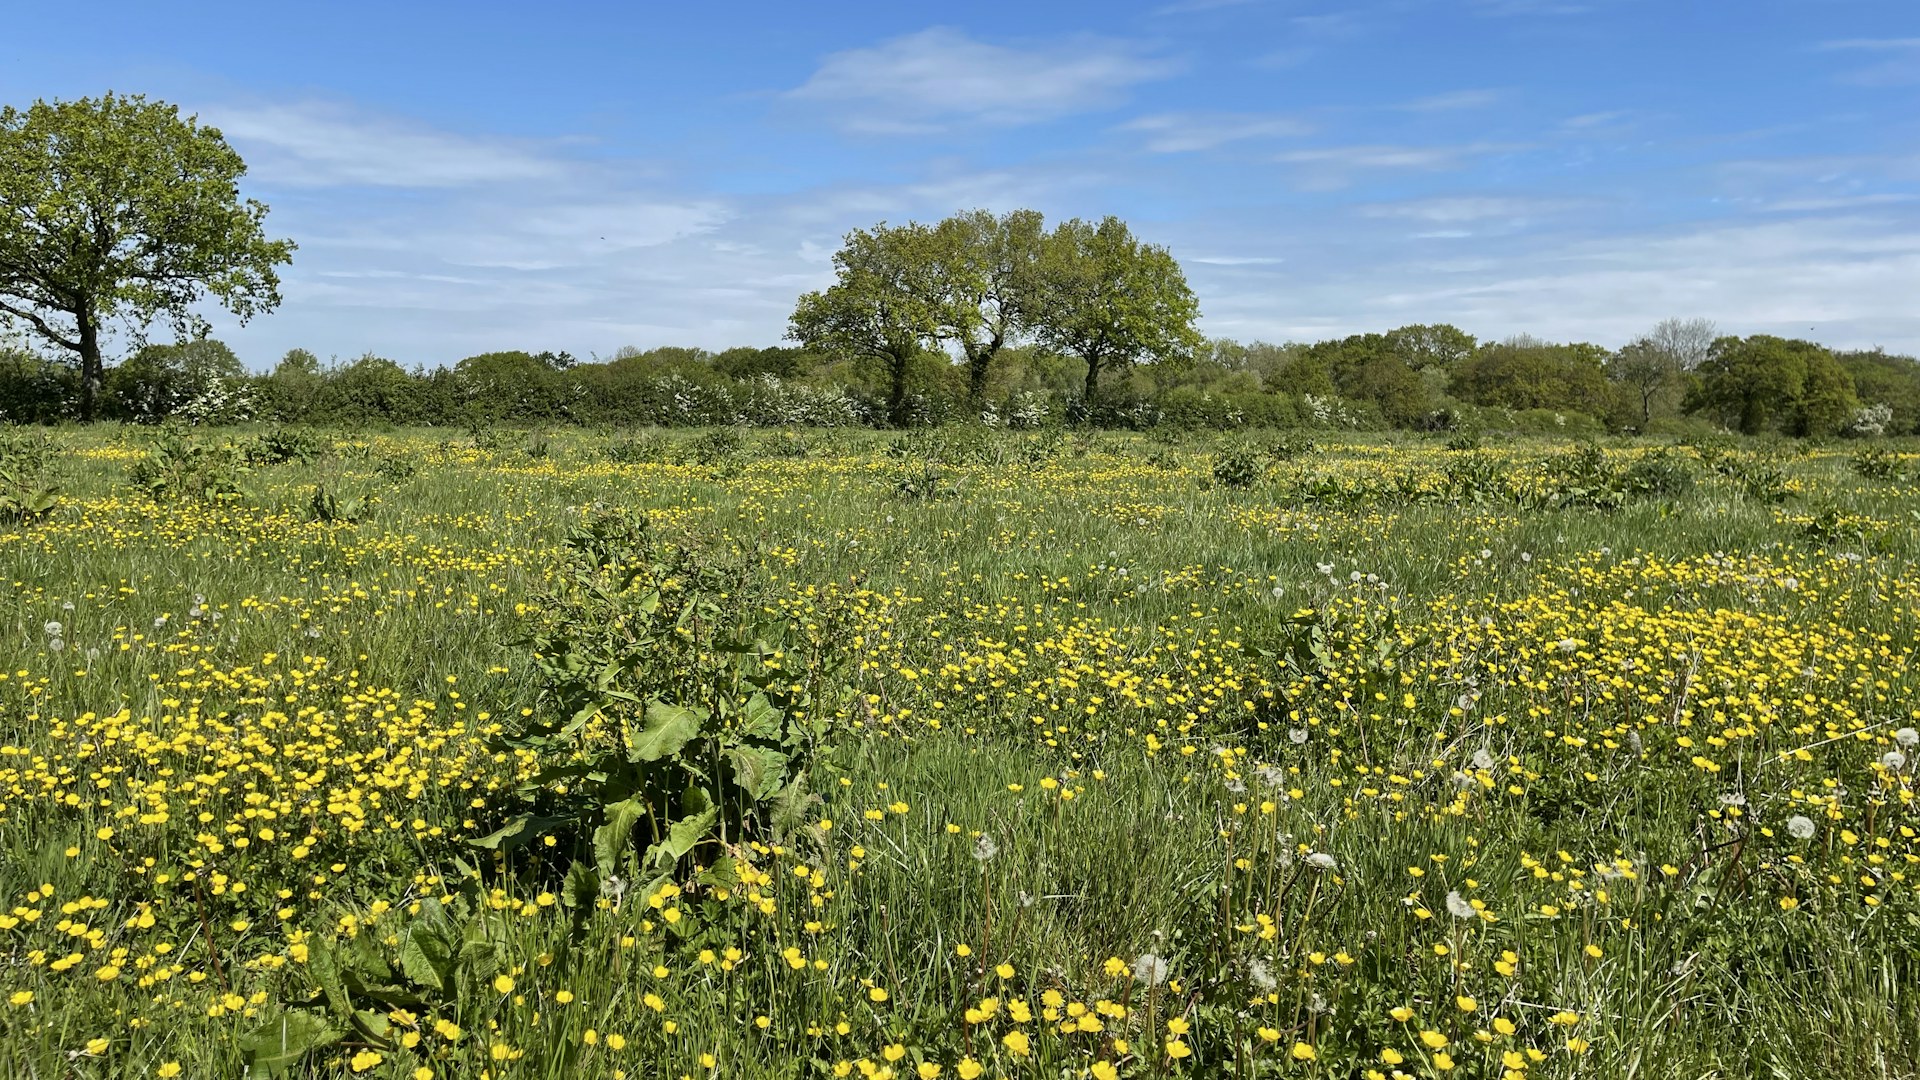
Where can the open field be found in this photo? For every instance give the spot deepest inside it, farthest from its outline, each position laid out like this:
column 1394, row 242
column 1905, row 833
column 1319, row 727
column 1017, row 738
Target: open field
column 992, row 754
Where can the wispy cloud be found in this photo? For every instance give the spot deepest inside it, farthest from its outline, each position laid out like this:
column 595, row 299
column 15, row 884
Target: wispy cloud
column 1899, row 64
column 1595, row 120
column 924, row 82
column 1194, row 7
column 318, row 144
column 1873, row 44
column 1173, row 133
column 1234, row 260
column 1336, row 166
column 1837, row 202
column 1521, row 8
column 1510, row 209
column 1448, row 102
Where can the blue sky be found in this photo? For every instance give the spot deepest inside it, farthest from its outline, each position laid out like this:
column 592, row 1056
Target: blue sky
column 586, row 176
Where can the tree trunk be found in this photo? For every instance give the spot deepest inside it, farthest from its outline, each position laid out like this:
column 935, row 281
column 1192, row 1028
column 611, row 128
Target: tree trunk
column 92, row 370
column 897, row 393
column 977, row 362
column 1093, row 381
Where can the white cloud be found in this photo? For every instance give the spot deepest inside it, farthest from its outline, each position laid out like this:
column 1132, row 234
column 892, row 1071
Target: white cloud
column 1837, row 202
column 1233, row 260
column 922, row 82
column 1387, row 157
column 1872, row 44
column 1903, row 67
column 1590, row 121
column 1458, row 99
column 1844, row 281
column 1471, row 208
column 1192, row 7
column 1329, row 167
column 316, row 144
column 1173, row 133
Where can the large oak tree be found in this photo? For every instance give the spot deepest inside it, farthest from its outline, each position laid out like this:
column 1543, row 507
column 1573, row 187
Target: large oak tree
column 116, row 211
column 1112, row 301
column 888, row 304
column 990, row 267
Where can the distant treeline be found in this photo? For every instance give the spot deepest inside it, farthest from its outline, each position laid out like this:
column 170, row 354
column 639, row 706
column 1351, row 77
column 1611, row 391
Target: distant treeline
column 1679, row 376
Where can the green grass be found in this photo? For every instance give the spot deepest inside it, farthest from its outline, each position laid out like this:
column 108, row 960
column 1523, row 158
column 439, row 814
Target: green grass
column 1104, row 710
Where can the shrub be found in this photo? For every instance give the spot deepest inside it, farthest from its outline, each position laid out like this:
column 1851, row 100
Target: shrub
column 668, row 696
column 1662, row 473
column 1238, row 466
column 177, row 467
column 1875, row 463
column 285, row 445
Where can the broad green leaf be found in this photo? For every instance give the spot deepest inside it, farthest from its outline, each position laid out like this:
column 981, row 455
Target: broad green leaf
column 759, row 719
column 427, row 958
column 760, row 771
column 523, row 829
column 582, row 886
column 374, row 1026
column 279, row 1044
column 325, row 969
column 682, row 838
column 667, row 729
column 611, row 840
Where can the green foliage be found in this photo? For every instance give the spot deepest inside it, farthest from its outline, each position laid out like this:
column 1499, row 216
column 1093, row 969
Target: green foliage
column 1886, row 379
column 117, row 210
column 35, row 389
column 991, row 268
column 717, row 446
column 1764, row 383
column 328, row 508
column 282, row 446
column 676, row 714
column 1238, row 466
column 26, row 495
column 921, row 482
column 1525, row 373
column 1113, row 301
column 1663, row 473
column 178, row 466
column 1875, row 463
column 638, row 449
column 350, row 987
column 888, row 303
column 1292, row 446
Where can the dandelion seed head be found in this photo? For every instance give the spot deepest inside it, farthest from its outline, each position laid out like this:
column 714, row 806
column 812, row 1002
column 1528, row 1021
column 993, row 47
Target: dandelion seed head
column 1150, row 969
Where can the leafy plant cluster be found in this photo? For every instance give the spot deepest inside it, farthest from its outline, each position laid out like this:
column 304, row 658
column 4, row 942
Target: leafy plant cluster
column 178, row 466
column 25, row 493
column 678, row 715
column 286, row 445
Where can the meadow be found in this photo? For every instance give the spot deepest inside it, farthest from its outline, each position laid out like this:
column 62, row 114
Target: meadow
column 956, row 754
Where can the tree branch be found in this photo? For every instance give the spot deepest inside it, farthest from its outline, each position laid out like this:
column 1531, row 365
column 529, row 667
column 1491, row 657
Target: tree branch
column 46, row 330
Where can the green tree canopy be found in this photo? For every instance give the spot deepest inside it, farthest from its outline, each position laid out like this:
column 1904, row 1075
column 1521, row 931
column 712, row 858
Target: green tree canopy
column 1527, row 373
column 990, row 266
column 1762, row 382
column 1112, row 300
column 1890, row 379
column 888, row 304
column 116, row 210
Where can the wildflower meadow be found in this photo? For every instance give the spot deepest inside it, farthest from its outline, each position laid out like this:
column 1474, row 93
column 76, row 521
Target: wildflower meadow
column 958, row 753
